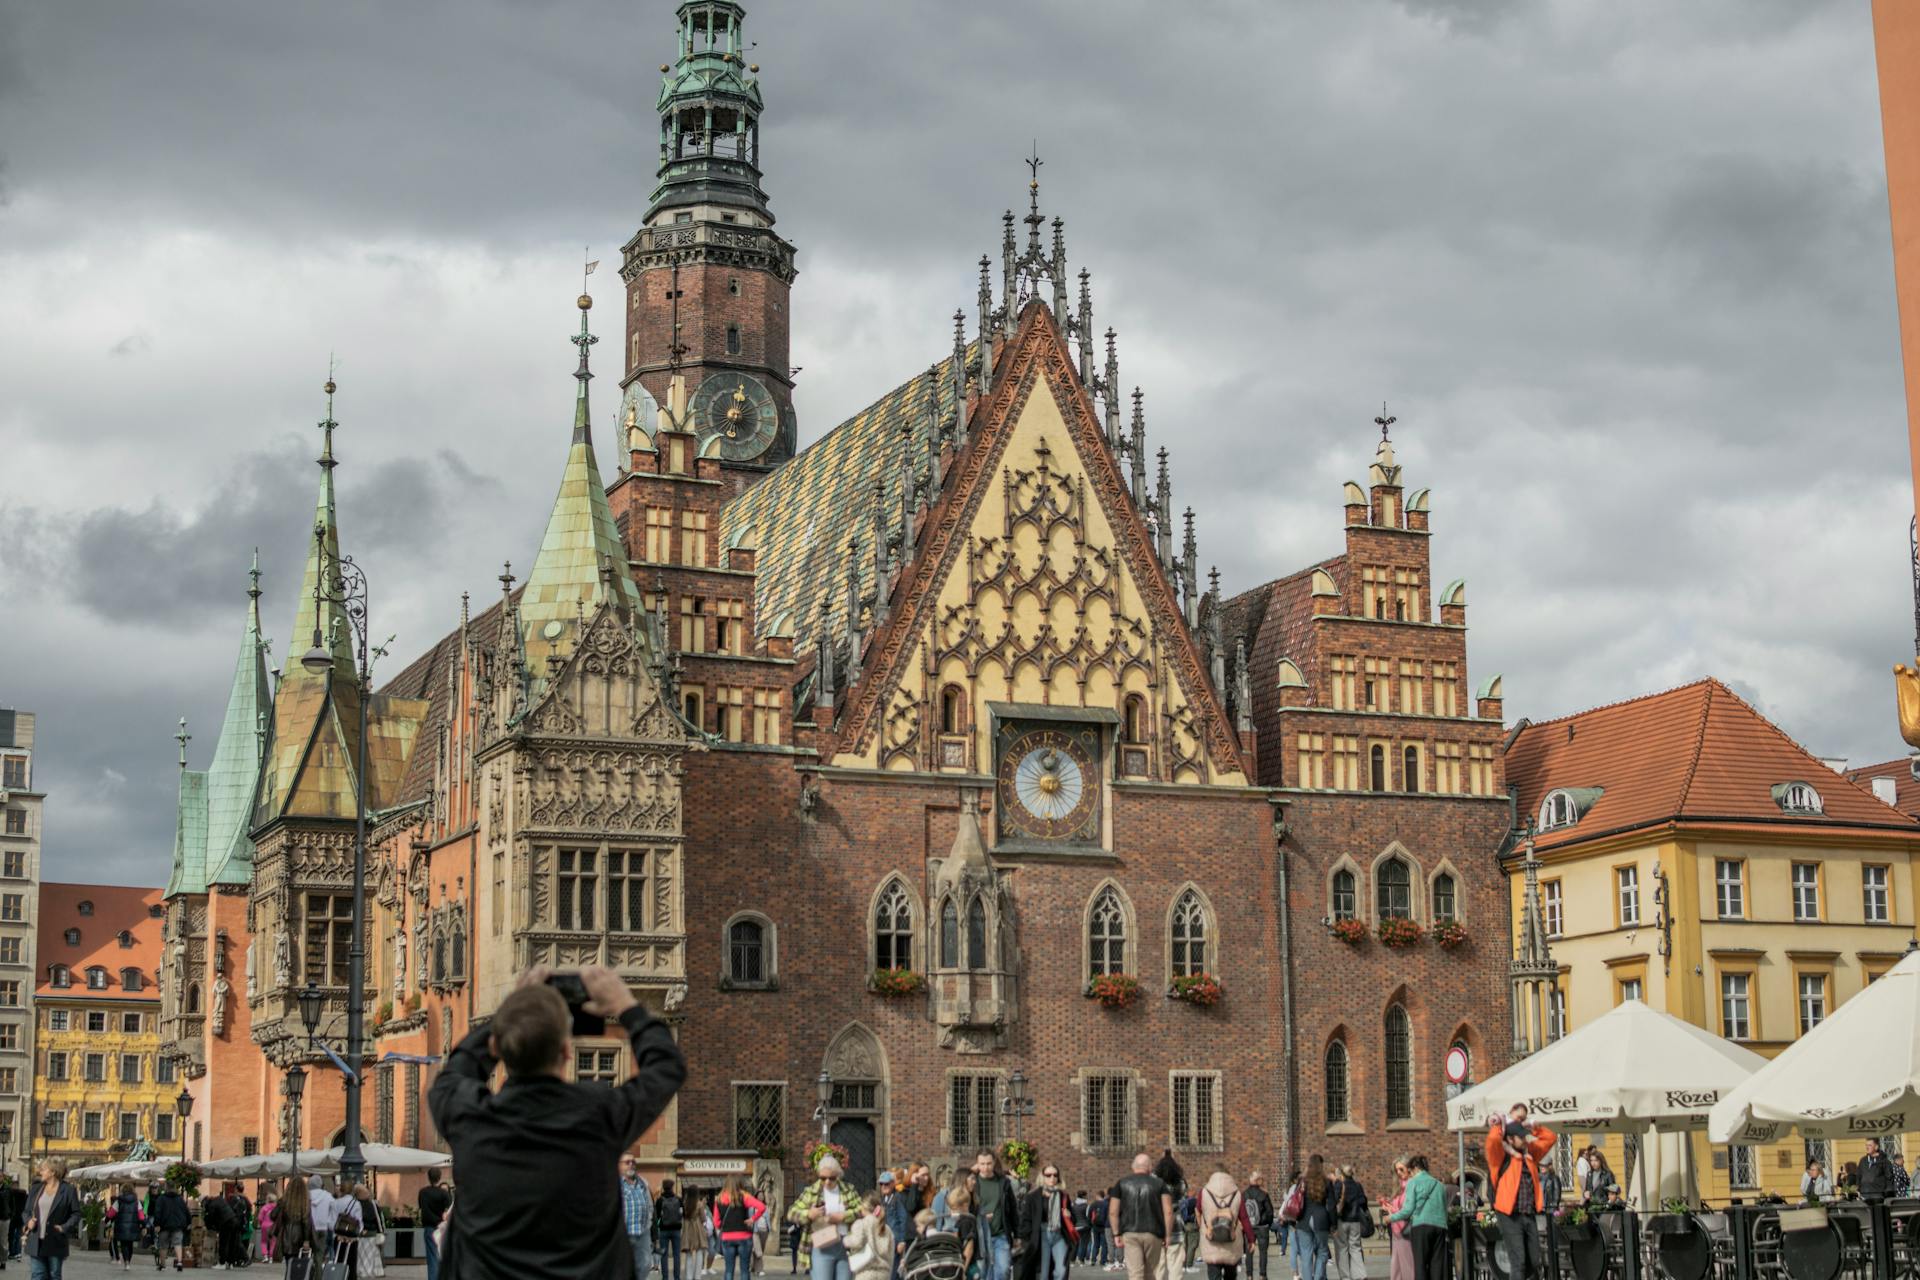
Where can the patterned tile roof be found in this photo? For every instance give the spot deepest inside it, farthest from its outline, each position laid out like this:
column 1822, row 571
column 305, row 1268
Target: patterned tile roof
column 800, row 518
column 1696, row 753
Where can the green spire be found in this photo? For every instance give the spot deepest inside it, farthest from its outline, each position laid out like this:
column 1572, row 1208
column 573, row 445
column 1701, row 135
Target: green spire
column 709, row 109
column 235, row 771
column 317, row 620
column 581, row 557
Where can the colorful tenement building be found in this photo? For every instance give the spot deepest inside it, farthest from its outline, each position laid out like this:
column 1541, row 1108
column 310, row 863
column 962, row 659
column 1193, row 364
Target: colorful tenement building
column 1686, row 852
column 101, row 1082
column 872, row 764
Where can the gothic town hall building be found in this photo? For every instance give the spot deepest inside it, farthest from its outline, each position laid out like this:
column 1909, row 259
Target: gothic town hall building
column 871, row 765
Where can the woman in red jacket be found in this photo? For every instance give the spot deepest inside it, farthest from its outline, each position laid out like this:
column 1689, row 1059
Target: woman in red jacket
column 1514, row 1152
column 734, row 1214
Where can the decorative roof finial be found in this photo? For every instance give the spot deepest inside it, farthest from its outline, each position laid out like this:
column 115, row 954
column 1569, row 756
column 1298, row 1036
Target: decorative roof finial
column 1084, row 329
column 583, row 374
column 327, row 424
column 253, row 578
column 506, row 578
column 183, row 738
column 1384, row 421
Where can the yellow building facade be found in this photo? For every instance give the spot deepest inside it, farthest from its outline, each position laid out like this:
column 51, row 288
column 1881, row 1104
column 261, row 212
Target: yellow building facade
column 100, row 1084
column 1691, row 855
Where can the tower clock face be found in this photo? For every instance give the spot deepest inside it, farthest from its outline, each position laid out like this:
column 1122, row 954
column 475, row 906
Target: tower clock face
column 738, row 410
column 1049, row 783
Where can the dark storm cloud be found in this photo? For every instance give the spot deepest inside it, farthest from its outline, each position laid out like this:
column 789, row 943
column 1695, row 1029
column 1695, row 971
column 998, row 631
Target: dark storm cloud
column 1624, row 279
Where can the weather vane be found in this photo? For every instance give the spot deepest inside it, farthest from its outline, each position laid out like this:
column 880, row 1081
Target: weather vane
column 1385, row 420
column 1034, row 162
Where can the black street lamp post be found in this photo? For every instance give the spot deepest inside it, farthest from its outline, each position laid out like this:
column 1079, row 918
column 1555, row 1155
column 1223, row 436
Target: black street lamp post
column 184, row 1105
column 1016, row 1106
column 47, row 1123
column 823, row 1087
column 294, row 1086
column 342, row 582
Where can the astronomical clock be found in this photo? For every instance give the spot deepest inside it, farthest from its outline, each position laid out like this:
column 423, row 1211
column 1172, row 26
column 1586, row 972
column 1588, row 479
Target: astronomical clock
column 737, row 410
column 1049, row 777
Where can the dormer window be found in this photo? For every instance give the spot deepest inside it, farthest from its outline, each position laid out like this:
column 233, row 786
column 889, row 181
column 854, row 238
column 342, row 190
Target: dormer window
column 1558, row 810
column 126, row 939
column 61, row 976
column 96, row 979
column 86, row 907
column 1797, row 797
column 72, row 937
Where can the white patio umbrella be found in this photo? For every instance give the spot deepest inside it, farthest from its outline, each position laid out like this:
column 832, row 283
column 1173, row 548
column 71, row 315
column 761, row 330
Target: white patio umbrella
column 383, row 1157
column 1633, row 1069
column 1855, row 1075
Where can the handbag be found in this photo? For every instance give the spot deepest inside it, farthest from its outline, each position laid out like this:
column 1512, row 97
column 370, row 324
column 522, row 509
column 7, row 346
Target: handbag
column 1294, row 1205
column 863, row 1256
column 825, row 1237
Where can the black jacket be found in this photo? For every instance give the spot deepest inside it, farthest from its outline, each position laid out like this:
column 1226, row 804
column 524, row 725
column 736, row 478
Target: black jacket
column 1876, row 1177
column 61, row 1223
column 170, row 1212
column 1352, row 1199
column 537, row 1162
column 1259, row 1207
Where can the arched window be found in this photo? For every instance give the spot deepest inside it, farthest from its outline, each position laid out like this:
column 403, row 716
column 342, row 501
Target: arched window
column 1346, row 903
column 1444, row 905
column 457, row 946
column 96, row 978
column 1188, row 953
column 1393, row 889
column 61, row 976
column 976, row 935
column 125, row 939
column 1336, row 1082
column 132, row 980
column 1558, row 810
column 1106, row 935
column 1134, row 722
column 747, row 952
column 1410, row 769
column 952, row 710
column 1799, row 797
column 733, row 339
column 1399, row 1052
column 439, row 955
column 949, row 935
column 1378, row 760
column 893, row 929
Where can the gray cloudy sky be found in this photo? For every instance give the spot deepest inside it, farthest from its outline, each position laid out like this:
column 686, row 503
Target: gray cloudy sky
column 1621, row 268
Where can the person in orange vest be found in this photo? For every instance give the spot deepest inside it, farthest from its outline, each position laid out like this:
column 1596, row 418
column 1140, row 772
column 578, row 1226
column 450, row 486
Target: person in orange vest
column 1514, row 1152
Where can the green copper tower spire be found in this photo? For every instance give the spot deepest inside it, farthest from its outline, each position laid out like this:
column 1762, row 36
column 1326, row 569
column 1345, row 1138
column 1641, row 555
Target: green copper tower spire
column 581, row 557
column 710, row 116
column 317, row 619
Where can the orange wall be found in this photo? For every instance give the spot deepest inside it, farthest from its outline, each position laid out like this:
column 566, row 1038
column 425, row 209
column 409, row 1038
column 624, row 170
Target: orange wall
column 1896, row 39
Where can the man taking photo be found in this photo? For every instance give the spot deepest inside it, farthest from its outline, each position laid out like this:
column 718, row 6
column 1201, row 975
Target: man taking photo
column 536, row 1161
column 1514, row 1152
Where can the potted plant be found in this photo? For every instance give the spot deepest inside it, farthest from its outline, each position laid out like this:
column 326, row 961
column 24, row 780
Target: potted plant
column 93, row 1216
column 822, row 1148
column 384, row 1014
column 184, row 1176
column 1585, row 1249
column 1017, row 1154
column 1487, row 1225
column 413, row 1002
column 1399, row 932
column 1114, row 990
column 895, row 982
column 1454, row 1220
column 1672, row 1220
column 1449, row 934
column 1201, row 988
column 1574, row 1222
column 1681, row 1244
column 1349, row 930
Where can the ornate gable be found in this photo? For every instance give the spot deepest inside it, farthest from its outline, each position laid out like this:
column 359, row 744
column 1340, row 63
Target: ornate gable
column 605, row 689
column 1038, row 585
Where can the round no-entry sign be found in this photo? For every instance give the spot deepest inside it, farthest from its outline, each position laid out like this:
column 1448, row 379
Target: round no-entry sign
column 1456, row 1065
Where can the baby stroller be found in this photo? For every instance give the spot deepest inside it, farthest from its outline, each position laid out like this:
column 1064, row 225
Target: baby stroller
column 937, row 1255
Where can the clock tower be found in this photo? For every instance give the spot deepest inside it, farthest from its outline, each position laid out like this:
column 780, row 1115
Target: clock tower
column 707, row 276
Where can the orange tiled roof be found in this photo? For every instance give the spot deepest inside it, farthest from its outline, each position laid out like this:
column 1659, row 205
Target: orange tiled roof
column 1699, row 753
column 117, row 909
column 1906, row 787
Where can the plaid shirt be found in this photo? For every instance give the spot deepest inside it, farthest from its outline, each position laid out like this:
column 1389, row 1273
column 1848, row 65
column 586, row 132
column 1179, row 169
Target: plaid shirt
column 637, row 1201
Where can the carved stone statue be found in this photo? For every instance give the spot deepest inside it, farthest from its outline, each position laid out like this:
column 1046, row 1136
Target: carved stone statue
column 221, row 988
column 282, row 962
column 676, row 996
column 253, row 985
column 399, row 964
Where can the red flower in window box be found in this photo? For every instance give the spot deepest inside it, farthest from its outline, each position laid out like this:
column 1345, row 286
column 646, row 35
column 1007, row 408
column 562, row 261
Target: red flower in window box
column 1350, row 931
column 1202, row 989
column 1114, row 990
column 896, row 982
column 1399, row 932
column 1449, row 934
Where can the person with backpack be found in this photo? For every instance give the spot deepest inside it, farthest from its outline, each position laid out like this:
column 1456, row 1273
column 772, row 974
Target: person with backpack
column 1353, row 1223
column 1260, row 1218
column 669, row 1213
column 1220, row 1214
column 736, row 1213
column 171, row 1221
column 124, row 1213
column 1082, row 1228
column 1097, row 1252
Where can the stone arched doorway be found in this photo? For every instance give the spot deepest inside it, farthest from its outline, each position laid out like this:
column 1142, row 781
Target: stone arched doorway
column 856, row 1111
